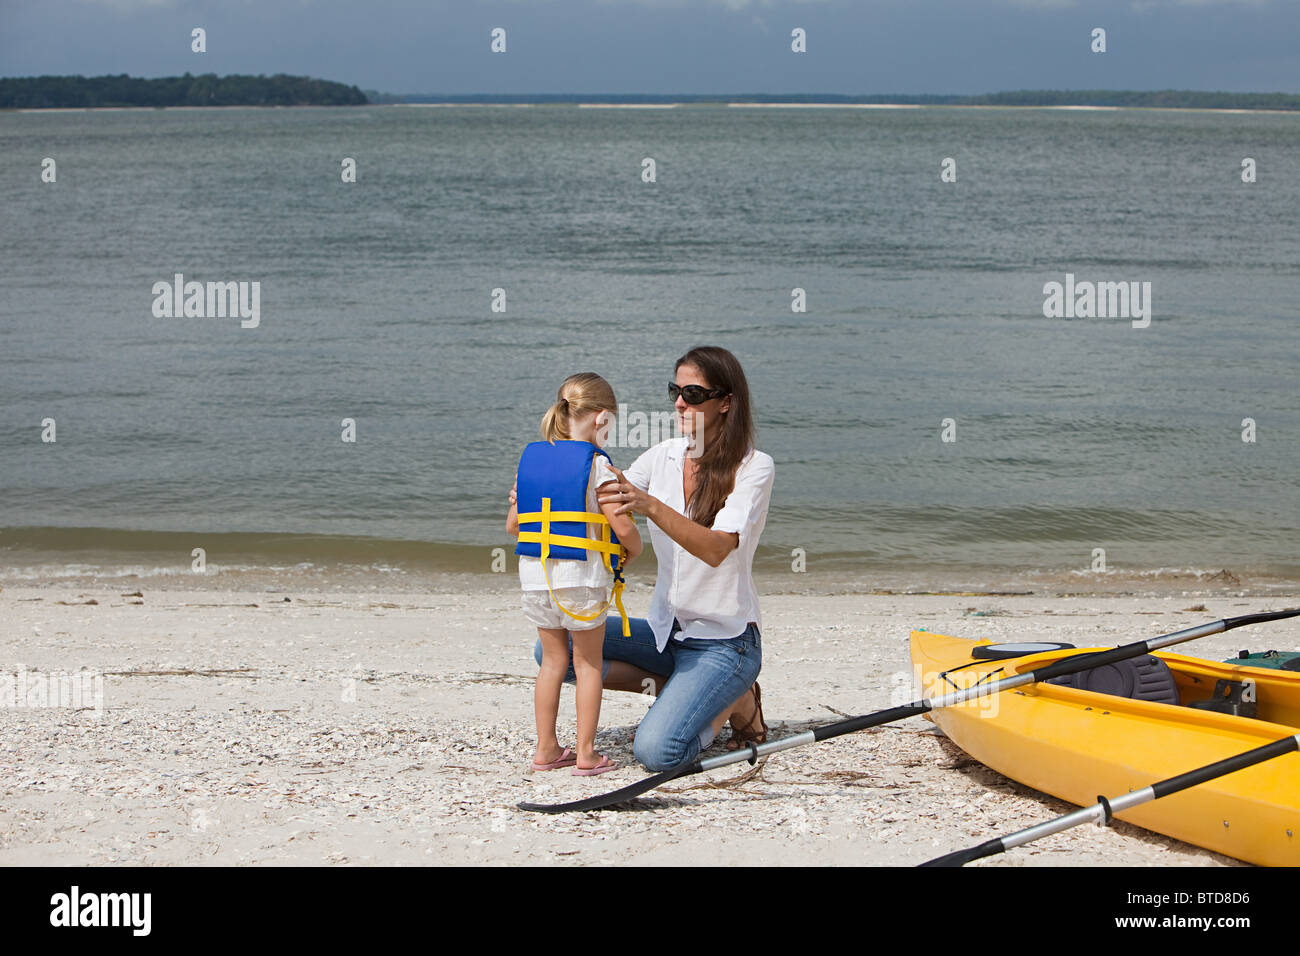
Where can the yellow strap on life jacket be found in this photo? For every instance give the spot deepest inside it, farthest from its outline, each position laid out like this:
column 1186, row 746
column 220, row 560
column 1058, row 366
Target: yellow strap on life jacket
column 605, row 547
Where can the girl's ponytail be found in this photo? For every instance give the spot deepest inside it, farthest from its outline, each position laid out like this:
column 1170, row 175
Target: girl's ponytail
column 578, row 393
column 555, row 423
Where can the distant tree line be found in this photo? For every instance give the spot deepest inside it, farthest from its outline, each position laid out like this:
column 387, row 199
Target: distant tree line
column 1185, row 99
column 208, row 89
column 1168, row 99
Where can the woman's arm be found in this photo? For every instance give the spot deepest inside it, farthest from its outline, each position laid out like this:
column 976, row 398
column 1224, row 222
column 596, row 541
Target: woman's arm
column 711, row 547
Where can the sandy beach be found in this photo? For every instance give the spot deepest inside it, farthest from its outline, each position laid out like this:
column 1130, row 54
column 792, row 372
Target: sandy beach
column 308, row 721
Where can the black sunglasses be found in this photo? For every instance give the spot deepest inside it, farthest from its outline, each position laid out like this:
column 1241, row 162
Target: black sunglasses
column 694, row 394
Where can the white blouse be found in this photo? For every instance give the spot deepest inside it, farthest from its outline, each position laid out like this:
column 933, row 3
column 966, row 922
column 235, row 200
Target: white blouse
column 707, row 602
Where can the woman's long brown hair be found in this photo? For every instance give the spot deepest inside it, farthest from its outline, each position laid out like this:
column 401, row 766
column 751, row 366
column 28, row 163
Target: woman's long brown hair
column 731, row 439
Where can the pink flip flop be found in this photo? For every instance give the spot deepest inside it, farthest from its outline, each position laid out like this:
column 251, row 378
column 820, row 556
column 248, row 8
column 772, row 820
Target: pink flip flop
column 604, row 765
column 567, row 759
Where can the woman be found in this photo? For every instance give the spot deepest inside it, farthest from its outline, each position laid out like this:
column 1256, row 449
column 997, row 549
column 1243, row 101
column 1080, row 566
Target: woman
column 706, row 496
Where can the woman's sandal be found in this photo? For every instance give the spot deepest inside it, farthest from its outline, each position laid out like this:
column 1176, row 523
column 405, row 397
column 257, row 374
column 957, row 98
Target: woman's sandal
column 746, row 733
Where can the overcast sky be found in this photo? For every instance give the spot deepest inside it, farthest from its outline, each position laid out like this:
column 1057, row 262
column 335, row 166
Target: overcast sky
column 673, row 46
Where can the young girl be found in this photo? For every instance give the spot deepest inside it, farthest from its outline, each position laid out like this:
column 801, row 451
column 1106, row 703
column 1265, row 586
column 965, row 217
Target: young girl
column 567, row 584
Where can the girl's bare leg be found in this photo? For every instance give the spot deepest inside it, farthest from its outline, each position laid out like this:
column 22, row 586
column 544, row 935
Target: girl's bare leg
column 546, row 696
column 586, row 665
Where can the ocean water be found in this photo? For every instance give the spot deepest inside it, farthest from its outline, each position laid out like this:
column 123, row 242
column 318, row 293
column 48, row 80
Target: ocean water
column 925, row 303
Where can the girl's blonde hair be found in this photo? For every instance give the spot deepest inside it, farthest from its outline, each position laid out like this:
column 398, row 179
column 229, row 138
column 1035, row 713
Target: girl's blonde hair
column 584, row 391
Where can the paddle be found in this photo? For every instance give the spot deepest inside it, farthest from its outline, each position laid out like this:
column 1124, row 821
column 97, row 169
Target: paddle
column 1104, row 809
column 1068, row 665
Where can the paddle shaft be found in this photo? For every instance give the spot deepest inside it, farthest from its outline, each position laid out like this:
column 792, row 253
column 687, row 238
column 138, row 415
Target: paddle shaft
column 1069, row 665
column 751, row 752
column 1104, row 809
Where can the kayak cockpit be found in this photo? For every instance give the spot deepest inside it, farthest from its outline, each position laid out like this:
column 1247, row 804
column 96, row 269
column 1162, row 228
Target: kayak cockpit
column 1268, row 694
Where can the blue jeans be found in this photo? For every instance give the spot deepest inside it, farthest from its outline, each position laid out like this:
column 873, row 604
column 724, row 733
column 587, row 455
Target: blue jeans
column 705, row 676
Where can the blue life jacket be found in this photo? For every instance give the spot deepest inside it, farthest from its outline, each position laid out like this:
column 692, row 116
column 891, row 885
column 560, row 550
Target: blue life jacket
column 560, row 474
column 551, row 499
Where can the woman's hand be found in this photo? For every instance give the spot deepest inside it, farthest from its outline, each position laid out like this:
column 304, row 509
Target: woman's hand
column 627, row 497
column 512, row 516
column 616, row 506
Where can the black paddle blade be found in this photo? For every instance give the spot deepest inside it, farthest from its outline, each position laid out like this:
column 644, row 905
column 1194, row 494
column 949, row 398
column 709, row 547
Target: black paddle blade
column 962, row 857
column 621, row 795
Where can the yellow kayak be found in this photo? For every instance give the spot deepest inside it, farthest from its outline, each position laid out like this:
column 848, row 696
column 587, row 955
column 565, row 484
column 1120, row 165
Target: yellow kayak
column 1078, row 743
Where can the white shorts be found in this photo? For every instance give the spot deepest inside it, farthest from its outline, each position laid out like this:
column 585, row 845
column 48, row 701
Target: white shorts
column 542, row 612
